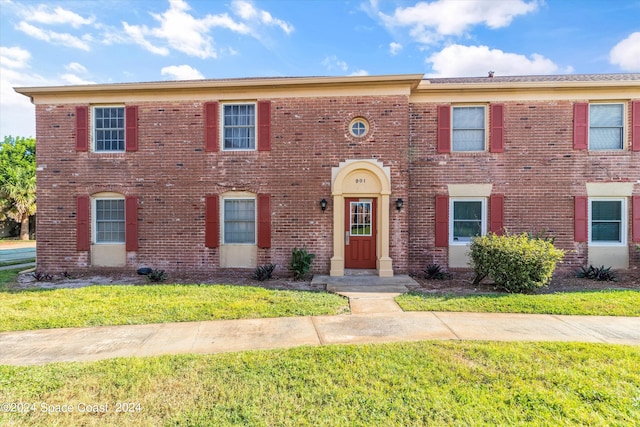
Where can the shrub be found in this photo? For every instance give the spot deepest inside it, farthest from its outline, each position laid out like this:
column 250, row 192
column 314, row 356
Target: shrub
column 517, row 263
column 264, row 272
column 600, row 274
column 41, row 276
column 300, row 263
column 434, row 272
column 157, row 276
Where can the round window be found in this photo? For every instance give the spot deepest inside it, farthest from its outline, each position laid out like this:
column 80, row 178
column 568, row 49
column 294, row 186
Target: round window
column 358, row 127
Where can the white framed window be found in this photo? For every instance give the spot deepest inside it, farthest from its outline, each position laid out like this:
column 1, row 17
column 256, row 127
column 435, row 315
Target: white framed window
column 467, row 219
column 608, row 221
column 468, row 128
column 109, row 221
column 359, row 127
column 108, row 129
column 239, row 221
column 239, row 126
column 606, row 126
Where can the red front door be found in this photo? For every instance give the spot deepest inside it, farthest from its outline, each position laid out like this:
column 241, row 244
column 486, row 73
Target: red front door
column 360, row 233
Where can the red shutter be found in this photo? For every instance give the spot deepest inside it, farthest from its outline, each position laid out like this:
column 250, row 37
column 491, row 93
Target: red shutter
column 496, row 207
column 264, row 220
column 211, row 126
column 442, row 221
column 580, row 125
column 212, row 222
column 131, row 119
column 82, row 128
column 580, row 218
column 82, row 223
column 635, row 213
column 131, row 223
column 497, row 128
column 444, row 129
column 635, row 125
column 264, row 125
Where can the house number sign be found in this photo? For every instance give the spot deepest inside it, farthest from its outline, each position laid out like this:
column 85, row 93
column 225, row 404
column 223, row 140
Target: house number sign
column 360, row 180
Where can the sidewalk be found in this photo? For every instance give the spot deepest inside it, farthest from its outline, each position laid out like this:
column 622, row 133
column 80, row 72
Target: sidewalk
column 375, row 318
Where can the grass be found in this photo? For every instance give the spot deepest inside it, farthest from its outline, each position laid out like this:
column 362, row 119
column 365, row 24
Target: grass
column 598, row 303
column 407, row 384
column 16, row 262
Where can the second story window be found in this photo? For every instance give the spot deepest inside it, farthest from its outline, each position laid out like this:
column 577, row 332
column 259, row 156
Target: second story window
column 468, row 128
column 606, row 126
column 239, row 127
column 109, row 129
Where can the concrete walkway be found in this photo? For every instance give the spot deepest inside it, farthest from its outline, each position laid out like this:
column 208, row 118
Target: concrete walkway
column 375, row 318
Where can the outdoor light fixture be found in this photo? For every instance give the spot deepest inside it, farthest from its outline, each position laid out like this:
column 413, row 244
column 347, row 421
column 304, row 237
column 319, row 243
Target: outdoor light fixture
column 323, row 204
column 399, row 204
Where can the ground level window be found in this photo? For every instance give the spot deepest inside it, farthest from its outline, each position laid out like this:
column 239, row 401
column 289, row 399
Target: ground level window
column 240, row 221
column 468, row 219
column 110, row 224
column 607, row 221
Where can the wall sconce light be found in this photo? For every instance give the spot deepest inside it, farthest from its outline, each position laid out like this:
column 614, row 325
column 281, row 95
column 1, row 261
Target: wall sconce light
column 399, row 204
column 323, row 204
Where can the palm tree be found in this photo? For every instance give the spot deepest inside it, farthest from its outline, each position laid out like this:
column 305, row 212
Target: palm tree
column 19, row 190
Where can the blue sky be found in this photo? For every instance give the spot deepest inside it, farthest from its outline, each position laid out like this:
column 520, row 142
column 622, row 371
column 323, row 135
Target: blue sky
column 62, row 42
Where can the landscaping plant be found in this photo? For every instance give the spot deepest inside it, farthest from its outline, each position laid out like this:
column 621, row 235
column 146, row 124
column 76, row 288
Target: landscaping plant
column 300, row 262
column 600, row 274
column 517, row 263
column 435, row 272
column 264, row 272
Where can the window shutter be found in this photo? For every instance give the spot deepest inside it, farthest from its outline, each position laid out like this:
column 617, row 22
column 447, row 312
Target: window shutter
column 580, row 125
column 131, row 136
column 497, row 128
column 444, row 129
column 635, row 213
column 212, row 222
column 211, row 126
column 131, row 223
column 82, row 223
column 82, row 128
column 264, row 220
column 264, row 125
column 442, row 221
column 580, row 218
column 635, row 126
column 496, row 221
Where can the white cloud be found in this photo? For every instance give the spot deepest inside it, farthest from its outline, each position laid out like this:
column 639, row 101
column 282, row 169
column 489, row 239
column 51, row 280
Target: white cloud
column 137, row 34
column 626, row 54
column 181, row 72
column 360, row 73
column 14, row 57
column 72, row 79
column 76, row 67
column 332, row 63
column 465, row 61
column 63, row 39
column 394, row 48
column 44, row 15
column 428, row 22
column 247, row 11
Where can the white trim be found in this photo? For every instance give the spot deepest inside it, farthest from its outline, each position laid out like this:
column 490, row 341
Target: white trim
column 486, row 127
column 255, row 125
column 623, row 221
column 92, row 121
column 94, row 218
column 483, row 220
column 623, row 143
column 255, row 219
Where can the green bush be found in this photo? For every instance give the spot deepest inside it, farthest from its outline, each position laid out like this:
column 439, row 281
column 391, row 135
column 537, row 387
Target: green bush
column 300, row 263
column 517, row 263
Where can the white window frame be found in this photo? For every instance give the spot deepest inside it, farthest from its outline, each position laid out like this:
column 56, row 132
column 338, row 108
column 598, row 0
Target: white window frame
column 483, row 220
column 255, row 125
column 624, row 125
column 94, row 219
column 255, row 219
column 484, row 135
column 623, row 221
column 94, row 130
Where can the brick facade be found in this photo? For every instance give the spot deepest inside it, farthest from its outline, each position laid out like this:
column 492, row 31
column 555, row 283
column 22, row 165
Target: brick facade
column 539, row 173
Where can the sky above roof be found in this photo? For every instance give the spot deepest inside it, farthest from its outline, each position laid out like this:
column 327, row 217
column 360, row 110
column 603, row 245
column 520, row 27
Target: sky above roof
column 57, row 42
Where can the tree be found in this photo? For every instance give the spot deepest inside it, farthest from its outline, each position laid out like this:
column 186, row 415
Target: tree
column 18, row 181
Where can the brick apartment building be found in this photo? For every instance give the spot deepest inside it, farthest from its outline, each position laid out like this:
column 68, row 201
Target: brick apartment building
column 378, row 172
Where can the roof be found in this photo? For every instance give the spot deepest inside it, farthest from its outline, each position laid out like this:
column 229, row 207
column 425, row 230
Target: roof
column 537, row 78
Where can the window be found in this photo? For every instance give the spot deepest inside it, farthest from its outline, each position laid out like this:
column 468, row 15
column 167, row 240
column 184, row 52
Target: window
column 109, row 221
column 607, row 219
column 468, row 128
column 468, row 219
column 239, row 126
column 606, row 126
column 358, row 127
column 240, row 221
column 109, row 128
column 360, row 219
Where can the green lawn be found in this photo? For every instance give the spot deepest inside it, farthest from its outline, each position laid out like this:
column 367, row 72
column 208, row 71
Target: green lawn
column 600, row 303
column 408, row 384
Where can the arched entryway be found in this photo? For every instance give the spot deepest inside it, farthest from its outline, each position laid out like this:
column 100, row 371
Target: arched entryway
column 361, row 191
